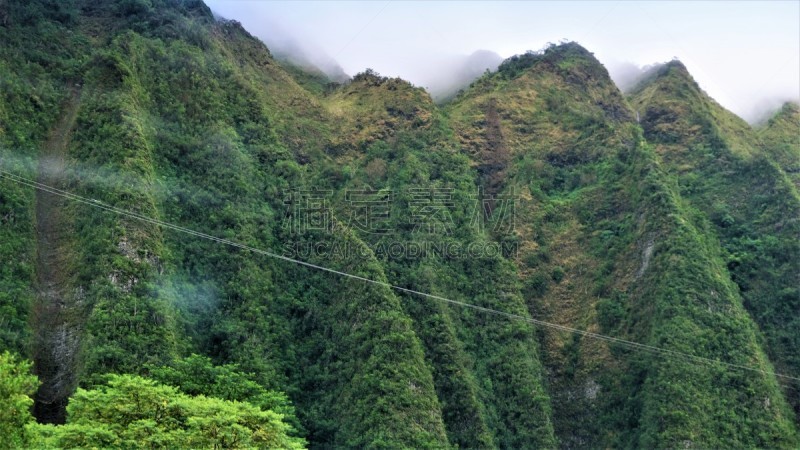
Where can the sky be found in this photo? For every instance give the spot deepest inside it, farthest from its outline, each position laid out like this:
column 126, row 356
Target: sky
column 746, row 55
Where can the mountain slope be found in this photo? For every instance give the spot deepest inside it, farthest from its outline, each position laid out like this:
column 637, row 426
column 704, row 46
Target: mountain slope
column 608, row 244
column 396, row 143
column 732, row 177
column 204, row 135
column 782, row 139
column 534, row 193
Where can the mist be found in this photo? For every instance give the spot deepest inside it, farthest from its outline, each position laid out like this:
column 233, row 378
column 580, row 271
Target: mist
column 758, row 109
column 96, row 179
column 745, row 55
column 627, row 75
column 452, row 73
column 441, row 74
column 303, row 53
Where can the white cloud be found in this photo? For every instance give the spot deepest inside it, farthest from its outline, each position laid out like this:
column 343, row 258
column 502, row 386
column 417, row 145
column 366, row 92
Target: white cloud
column 744, row 54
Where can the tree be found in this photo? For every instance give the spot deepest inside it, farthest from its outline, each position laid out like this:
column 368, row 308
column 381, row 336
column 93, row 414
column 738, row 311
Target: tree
column 196, row 375
column 17, row 384
column 133, row 412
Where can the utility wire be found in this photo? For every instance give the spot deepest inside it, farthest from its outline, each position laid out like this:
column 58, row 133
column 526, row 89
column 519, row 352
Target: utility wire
column 610, row 339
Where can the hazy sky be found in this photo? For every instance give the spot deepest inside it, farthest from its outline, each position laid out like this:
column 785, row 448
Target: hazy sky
column 744, row 54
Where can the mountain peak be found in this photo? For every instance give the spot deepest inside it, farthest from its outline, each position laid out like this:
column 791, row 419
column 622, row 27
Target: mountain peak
column 676, row 64
column 565, row 55
column 673, row 70
column 790, row 109
column 570, row 48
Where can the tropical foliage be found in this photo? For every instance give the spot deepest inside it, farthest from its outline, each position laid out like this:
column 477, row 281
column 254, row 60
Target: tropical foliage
column 677, row 232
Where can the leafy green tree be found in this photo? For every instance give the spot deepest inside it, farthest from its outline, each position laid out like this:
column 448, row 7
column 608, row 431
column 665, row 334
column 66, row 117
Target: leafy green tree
column 197, row 375
column 17, row 384
column 133, row 412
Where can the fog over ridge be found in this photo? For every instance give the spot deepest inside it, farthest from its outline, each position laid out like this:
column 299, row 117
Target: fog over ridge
column 745, row 55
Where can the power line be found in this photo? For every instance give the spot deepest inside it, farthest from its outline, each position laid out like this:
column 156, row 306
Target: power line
column 336, row 55
column 610, row 339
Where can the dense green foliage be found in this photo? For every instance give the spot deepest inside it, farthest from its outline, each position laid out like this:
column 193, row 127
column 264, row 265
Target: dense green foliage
column 196, row 375
column 742, row 193
column 133, row 412
column 676, row 233
column 782, row 140
column 17, row 386
column 614, row 245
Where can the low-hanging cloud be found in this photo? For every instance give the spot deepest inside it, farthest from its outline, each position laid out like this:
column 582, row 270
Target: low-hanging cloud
column 455, row 72
column 745, row 55
column 303, row 53
column 756, row 110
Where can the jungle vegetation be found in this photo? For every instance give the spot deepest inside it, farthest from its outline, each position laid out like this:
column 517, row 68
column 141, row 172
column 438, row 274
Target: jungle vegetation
column 677, row 231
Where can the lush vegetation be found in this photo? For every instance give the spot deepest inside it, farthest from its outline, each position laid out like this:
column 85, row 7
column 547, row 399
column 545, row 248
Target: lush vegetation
column 133, row 412
column 17, row 385
column 675, row 233
column 613, row 245
column 739, row 185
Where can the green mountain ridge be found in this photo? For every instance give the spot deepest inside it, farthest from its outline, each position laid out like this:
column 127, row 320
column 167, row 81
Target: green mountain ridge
column 728, row 173
column 657, row 218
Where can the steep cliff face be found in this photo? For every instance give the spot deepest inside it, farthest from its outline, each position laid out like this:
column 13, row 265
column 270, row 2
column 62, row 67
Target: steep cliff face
column 534, row 193
column 608, row 244
column 189, row 120
column 739, row 182
column 428, row 230
column 545, row 129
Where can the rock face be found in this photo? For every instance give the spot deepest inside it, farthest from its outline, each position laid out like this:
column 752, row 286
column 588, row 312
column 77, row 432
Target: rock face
column 57, row 339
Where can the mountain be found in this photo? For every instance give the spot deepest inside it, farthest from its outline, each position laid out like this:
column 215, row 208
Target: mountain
column 541, row 261
column 597, row 206
column 780, row 138
column 737, row 179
